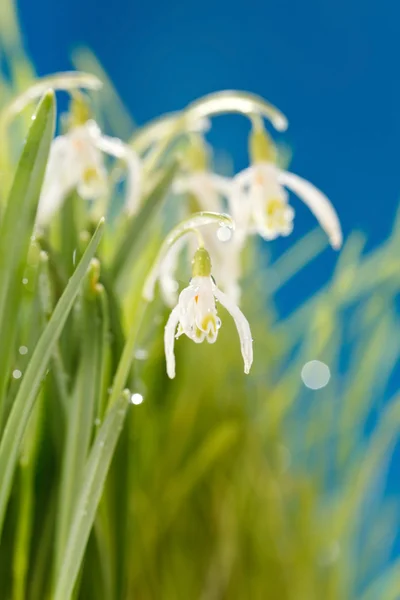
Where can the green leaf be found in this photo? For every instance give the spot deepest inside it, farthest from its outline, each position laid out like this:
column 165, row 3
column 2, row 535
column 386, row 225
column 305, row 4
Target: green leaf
column 94, row 478
column 81, row 410
column 16, row 228
column 25, row 400
column 139, row 224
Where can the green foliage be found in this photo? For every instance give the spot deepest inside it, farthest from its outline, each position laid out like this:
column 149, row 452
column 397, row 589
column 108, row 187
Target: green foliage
column 217, row 486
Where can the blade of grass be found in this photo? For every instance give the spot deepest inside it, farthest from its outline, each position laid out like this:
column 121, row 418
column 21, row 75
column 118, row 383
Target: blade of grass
column 95, row 474
column 25, row 400
column 81, row 410
column 139, row 224
column 16, row 228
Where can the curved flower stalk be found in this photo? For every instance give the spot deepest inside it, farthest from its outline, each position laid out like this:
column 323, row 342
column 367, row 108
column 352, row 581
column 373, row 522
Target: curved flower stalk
column 163, row 131
column 76, row 162
column 211, row 193
column 173, row 244
column 69, row 81
column 259, row 202
column 195, row 315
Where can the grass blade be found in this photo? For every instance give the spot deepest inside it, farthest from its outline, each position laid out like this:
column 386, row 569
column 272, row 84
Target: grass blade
column 94, row 477
column 81, row 409
column 139, row 224
column 25, row 400
column 16, row 227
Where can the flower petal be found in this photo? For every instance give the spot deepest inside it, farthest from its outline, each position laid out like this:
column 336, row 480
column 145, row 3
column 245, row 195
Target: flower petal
column 318, row 203
column 115, row 147
column 242, row 325
column 169, row 341
column 60, row 179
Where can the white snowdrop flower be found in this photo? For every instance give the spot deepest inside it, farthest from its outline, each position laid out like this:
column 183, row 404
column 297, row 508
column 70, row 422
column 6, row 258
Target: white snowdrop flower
column 195, row 315
column 210, row 190
column 207, row 187
column 76, row 162
column 259, row 201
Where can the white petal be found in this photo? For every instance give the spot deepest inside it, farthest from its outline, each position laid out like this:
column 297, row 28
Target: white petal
column 60, row 179
column 187, row 308
column 169, row 341
column 223, row 185
column 242, row 325
column 245, row 177
column 318, row 203
column 115, row 147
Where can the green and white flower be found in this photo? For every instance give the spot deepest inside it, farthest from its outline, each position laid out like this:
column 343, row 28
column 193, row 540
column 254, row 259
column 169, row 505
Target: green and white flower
column 196, row 316
column 76, row 162
column 259, row 201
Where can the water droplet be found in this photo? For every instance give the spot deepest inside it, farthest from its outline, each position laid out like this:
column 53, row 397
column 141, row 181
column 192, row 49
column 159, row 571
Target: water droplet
column 17, row 374
column 141, row 354
column 33, row 238
column 23, row 350
column 25, row 280
column 137, row 398
column 74, row 257
column 219, row 323
column 315, row 374
column 224, row 233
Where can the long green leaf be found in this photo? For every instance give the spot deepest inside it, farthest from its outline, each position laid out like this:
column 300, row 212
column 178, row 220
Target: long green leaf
column 16, row 228
column 139, row 224
column 81, row 409
column 25, row 400
column 94, row 477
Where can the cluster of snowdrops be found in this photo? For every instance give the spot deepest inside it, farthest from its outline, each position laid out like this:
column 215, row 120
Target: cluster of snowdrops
column 221, row 212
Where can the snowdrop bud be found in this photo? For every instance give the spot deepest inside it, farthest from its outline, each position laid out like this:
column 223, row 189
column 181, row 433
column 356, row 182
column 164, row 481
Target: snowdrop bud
column 261, row 146
column 79, row 110
column 201, row 263
column 196, row 157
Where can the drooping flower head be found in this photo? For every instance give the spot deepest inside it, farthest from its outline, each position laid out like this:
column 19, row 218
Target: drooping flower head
column 260, row 203
column 76, row 161
column 196, row 316
column 206, row 191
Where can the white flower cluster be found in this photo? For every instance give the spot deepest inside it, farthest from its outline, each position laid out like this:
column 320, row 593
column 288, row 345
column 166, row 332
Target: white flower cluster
column 256, row 198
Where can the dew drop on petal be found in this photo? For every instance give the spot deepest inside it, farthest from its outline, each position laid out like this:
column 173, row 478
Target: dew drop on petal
column 25, row 280
column 17, row 374
column 137, row 398
column 219, row 323
column 224, row 233
column 23, row 350
column 315, row 374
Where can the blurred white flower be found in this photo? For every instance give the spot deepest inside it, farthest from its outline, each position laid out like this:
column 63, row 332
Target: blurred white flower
column 259, row 203
column 76, row 162
column 211, row 192
column 207, row 187
column 195, row 315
